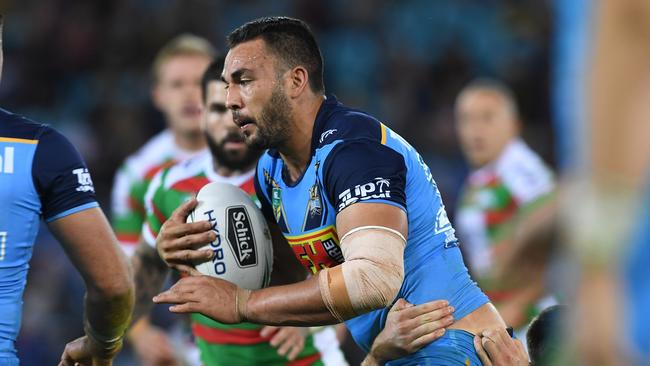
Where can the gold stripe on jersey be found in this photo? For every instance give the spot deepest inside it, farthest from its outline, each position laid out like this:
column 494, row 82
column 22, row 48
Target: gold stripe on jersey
column 18, row 141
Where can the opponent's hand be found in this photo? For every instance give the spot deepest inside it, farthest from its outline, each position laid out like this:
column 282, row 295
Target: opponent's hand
column 151, row 345
column 409, row 328
column 495, row 347
column 210, row 296
column 289, row 341
column 84, row 352
column 177, row 241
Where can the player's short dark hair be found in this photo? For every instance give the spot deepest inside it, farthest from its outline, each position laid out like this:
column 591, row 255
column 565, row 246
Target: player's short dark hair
column 546, row 334
column 212, row 73
column 496, row 86
column 291, row 40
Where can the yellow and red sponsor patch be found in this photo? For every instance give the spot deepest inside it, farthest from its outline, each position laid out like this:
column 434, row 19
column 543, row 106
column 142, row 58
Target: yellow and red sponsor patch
column 317, row 249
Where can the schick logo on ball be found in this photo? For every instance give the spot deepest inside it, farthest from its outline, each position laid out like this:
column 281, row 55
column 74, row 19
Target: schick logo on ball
column 240, row 236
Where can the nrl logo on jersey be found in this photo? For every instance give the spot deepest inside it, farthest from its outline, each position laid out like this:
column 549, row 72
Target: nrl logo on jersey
column 376, row 189
column 83, row 178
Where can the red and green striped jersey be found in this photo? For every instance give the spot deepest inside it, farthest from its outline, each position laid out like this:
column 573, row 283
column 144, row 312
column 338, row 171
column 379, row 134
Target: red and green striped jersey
column 131, row 183
column 219, row 344
column 494, row 198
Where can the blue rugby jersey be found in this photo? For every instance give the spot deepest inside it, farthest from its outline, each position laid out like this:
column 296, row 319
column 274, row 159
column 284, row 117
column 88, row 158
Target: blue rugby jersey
column 41, row 175
column 636, row 274
column 355, row 158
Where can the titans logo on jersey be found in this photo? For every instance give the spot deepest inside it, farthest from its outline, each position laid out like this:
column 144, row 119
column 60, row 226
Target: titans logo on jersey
column 41, row 176
column 356, row 159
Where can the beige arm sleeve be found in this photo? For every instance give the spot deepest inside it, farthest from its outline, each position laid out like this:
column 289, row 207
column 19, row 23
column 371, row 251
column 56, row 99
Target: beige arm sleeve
column 371, row 275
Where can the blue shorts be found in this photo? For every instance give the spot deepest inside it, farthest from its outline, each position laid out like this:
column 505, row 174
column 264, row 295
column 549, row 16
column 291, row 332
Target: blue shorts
column 9, row 361
column 456, row 347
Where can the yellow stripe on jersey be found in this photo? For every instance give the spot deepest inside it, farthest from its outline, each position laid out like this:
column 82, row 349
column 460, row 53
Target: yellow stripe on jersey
column 383, row 134
column 19, row 141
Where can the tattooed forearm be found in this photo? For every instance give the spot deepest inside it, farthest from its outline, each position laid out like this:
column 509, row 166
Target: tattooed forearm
column 150, row 272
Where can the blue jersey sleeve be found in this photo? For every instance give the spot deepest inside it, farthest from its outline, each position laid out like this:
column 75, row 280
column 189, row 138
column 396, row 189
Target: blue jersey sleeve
column 364, row 171
column 61, row 177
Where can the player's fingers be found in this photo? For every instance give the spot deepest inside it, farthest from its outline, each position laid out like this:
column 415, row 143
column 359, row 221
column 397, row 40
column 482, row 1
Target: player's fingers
column 187, row 256
column 191, row 241
column 426, row 338
column 280, row 336
column 188, row 307
column 174, row 229
column 172, row 296
column 478, row 346
column 494, row 349
column 189, row 270
column 431, row 327
column 520, row 347
column 298, row 346
column 180, row 214
column 268, row 330
column 295, row 351
column 433, row 315
column 437, row 308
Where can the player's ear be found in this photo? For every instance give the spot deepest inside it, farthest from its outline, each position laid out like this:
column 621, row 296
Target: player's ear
column 298, row 81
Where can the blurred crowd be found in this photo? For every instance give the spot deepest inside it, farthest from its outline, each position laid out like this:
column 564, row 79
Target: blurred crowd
column 84, row 67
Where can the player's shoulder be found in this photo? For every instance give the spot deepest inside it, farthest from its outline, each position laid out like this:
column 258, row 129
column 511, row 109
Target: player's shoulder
column 153, row 153
column 519, row 159
column 185, row 170
column 524, row 172
column 15, row 126
column 338, row 123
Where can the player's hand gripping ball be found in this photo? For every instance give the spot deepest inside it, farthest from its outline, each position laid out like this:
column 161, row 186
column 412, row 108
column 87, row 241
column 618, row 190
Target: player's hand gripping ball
column 243, row 251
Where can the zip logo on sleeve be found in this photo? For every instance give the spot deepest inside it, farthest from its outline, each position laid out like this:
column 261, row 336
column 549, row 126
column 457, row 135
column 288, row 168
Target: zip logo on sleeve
column 376, row 189
column 83, row 178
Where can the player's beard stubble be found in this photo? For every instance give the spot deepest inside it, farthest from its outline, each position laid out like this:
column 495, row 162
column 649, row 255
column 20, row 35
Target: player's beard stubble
column 273, row 124
column 234, row 160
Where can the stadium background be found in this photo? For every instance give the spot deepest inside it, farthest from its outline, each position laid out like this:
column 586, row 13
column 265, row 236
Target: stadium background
column 84, row 67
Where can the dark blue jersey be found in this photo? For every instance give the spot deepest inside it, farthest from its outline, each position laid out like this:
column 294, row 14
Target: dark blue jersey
column 357, row 159
column 41, row 175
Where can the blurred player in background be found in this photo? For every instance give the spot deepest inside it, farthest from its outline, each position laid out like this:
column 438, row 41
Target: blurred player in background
column 43, row 176
column 176, row 92
column 332, row 172
column 228, row 160
column 506, row 209
column 608, row 205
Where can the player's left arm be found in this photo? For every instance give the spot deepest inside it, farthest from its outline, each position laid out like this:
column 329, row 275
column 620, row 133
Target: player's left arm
column 69, row 207
column 373, row 238
column 531, row 235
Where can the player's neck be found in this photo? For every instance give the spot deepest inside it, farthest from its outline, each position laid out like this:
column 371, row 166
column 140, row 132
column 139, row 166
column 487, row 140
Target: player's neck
column 189, row 141
column 296, row 152
column 230, row 172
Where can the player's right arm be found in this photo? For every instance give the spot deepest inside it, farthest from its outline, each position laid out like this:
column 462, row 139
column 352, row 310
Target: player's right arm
column 69, row 207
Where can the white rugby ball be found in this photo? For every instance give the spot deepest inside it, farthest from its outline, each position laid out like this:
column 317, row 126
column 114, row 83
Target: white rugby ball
column 243, row 251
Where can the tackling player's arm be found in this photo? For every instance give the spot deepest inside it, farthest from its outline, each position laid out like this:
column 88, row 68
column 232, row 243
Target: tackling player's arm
column 149, row 276
column 73, row 215
column 93, row 249
column 373, row 240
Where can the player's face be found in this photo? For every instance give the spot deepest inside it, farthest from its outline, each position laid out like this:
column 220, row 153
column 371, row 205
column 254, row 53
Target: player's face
column 485, row 124
column 177, row 92
column 256, row 95
column 225, row 139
